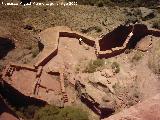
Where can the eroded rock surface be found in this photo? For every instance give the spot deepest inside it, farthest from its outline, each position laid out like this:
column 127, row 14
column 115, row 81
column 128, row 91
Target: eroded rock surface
column 146, row 110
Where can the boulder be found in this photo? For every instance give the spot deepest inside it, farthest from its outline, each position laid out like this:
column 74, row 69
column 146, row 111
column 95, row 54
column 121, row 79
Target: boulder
column 145, row 43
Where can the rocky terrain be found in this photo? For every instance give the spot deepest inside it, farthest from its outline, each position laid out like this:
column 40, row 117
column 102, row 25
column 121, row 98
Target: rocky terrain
column 115, row 83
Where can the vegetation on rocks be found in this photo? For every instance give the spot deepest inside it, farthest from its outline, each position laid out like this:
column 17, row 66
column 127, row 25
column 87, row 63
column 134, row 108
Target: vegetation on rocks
column 116, row 67
column 93, row 65
column 55, row 113
column 137, row 56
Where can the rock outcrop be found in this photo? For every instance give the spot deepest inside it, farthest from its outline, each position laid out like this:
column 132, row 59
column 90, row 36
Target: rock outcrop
column 97, row 92
column 146, row 110
column 95, row 99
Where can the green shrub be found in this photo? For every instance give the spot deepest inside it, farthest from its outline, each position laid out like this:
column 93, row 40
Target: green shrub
column 137, row 56
column 54, row 113
column 116, row 67
column 71, row 113
column 93, row 65
column 47, row 113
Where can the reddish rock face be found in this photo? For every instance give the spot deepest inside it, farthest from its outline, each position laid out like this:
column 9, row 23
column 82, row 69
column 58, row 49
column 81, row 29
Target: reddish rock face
column 146, row 110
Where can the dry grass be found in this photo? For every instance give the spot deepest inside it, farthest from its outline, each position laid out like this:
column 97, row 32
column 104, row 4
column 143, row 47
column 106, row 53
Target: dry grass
column 154, row 59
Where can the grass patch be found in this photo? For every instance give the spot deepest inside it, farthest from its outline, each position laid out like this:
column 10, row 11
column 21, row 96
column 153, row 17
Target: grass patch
column 55, row 113
column 94, row 65
column 137, row 56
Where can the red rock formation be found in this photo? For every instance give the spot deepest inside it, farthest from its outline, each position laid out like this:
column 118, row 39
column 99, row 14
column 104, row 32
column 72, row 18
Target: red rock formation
column 146, row 110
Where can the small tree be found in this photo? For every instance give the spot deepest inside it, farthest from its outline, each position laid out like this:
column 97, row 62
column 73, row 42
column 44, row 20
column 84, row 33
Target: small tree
column 116, row 67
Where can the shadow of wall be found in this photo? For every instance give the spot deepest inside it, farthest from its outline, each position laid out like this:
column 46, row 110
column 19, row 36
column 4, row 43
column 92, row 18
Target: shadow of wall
column 116, row 38
column 5, row 109
column 6, row 45
column 17, row 99
column 139, row 31
column 78, row 36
